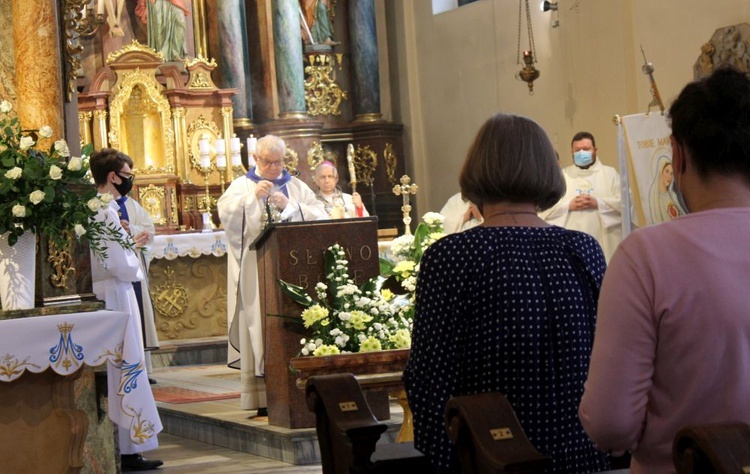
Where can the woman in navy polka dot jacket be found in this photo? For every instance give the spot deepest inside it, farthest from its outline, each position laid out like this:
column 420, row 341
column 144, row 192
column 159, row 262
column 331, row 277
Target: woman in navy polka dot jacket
column 509, row 306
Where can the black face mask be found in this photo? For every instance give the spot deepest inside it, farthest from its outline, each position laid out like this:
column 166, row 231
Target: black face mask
column 125, row 186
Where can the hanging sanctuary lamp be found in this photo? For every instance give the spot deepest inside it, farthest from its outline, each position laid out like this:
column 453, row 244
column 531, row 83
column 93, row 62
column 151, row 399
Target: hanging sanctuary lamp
column 528, row 72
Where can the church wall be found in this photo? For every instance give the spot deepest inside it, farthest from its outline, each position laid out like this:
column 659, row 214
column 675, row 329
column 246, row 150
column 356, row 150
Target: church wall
column 459, row 68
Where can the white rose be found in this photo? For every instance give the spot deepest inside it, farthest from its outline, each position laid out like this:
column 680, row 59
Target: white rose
column 26, row 143
column 106, row 198
column 19, row 210
column 79, row 230
column 62, row 148
column 14, row 173
column 94, row 204
column 45, row 131
column 55, row 172
column 75, row 164
column 36, row 197
column 5, row 107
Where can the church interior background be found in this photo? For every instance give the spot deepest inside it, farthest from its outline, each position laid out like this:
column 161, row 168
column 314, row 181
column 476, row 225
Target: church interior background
column 406, row 86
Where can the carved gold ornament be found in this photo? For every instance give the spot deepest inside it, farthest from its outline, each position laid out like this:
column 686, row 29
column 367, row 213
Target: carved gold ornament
column 322, row 94
column 62, row 262
column 74, row 27
column 316, row 155
column 291, row 160
column 170, row 297
column 147, row 97
column 391, row 163
column 365, row 163
column 152, row 198
column 136, row 47
column 190, row 63
column 173, row 194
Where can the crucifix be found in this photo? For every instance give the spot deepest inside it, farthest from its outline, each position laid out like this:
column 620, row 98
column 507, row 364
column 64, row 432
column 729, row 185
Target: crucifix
column 403, row 190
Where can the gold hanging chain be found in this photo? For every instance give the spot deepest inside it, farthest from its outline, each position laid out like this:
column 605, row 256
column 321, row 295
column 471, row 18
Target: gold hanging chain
column 530, row 31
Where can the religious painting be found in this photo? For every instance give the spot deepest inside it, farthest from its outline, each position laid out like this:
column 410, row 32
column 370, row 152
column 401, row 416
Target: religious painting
column 651, row 176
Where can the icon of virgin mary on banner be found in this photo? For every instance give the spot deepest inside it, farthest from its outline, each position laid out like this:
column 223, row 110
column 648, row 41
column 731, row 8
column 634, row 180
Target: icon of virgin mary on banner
column 663, row 202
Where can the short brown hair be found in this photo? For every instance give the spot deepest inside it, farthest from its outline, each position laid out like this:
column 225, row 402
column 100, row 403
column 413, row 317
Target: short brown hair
column 513, row 160
column 106, row 160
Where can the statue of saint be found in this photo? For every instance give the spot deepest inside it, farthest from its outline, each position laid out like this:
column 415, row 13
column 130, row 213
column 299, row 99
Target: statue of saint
column 317, row 28
column 165, row 21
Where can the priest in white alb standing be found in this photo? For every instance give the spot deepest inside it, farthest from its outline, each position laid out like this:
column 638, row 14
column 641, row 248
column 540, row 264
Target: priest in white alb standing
column 267, row 193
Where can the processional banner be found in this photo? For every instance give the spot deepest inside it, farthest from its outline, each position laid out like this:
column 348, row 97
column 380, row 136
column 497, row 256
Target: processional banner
column 646, row 157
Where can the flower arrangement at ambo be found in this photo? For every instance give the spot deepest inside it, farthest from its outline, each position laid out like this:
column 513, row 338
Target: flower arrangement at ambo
column 346, row 318
column 47, row 192
column 402, row 271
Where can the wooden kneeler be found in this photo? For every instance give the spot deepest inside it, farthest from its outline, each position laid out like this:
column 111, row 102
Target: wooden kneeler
column 715, row 448
column 488, row 436
column 348, row 432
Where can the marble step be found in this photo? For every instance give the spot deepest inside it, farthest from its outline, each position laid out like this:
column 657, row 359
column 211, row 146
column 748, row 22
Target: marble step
column 206, row 350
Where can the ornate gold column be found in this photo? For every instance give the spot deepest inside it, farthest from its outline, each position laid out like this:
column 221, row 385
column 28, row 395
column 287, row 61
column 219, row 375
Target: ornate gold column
column 38, row 74
column 180, row 134
column 100, row 129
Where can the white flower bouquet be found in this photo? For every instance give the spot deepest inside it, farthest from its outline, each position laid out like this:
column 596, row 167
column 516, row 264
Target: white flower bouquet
column 402, row 270
column 47, row 192
column 346, row 318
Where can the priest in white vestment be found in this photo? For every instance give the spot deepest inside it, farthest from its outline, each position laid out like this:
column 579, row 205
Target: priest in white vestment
column 267, row 193
column 460, row 215
column 592, row 202
column 337, row 204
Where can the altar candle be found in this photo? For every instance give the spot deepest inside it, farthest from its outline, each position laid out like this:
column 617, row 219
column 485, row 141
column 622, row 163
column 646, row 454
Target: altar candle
column 251, row 142
column 221, row 146
column 221, row 160
column 205, row 161
column 100, row 8
column 236, row 159
column 235, row 145
column 204, row 147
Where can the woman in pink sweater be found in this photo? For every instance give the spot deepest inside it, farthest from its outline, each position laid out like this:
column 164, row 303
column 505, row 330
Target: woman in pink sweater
column 672, row 343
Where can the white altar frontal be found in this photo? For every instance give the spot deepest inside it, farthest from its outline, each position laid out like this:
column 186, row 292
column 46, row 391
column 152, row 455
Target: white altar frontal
column 57, row 347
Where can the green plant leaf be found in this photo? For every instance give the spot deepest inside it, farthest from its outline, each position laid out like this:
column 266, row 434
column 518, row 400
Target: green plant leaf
column 296, row 293
column 386, row 267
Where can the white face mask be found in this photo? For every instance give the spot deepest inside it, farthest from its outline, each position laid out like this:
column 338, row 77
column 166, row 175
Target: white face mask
column 583, row 158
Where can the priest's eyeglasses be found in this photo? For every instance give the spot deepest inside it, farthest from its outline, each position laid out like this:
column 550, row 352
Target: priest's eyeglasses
column 268, row 163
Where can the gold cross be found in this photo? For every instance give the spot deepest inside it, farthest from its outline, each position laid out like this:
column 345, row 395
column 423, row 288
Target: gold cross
column 403, row 190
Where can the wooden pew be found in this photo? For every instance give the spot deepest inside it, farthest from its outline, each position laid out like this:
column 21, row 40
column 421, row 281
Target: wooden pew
column 488, row 436
column 348, row 432
column 713, row 448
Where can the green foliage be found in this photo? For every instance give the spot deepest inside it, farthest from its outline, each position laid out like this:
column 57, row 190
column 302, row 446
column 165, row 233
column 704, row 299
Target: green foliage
column 47, row 192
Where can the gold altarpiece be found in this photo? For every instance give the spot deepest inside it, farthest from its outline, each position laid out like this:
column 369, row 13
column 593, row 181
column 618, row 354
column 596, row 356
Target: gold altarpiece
column 156, row 112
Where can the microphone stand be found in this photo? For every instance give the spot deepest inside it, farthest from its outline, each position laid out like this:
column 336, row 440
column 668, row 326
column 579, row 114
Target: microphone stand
column 372, row 197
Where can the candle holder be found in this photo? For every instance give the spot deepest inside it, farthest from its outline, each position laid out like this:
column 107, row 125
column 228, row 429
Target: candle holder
column 403, row 190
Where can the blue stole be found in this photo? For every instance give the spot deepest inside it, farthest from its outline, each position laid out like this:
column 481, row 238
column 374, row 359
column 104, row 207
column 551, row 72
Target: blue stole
column 136, row 284
column 277, row 183
column 123, row 210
